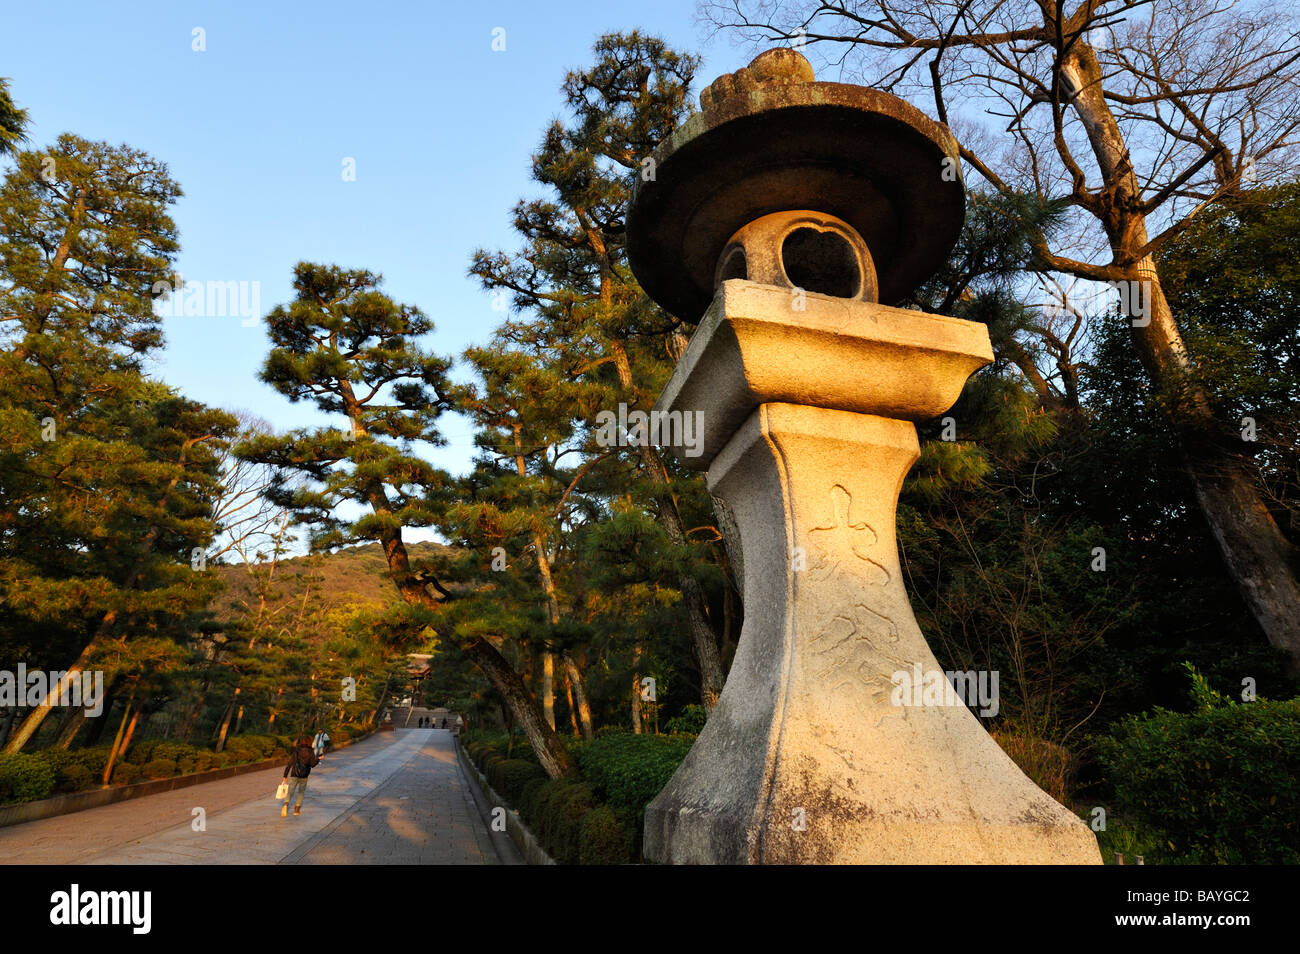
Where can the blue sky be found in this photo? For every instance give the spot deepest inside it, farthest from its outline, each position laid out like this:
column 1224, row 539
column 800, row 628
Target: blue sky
column 256, row 128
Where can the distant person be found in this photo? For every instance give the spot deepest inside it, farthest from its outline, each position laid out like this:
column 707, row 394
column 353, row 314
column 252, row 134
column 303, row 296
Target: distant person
column 320, row 743
column 302, row 760
column 444, row 722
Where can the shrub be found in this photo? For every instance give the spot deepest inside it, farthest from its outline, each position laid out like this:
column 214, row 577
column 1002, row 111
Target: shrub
column 93, row 759
column 185, row 766
column 603, row 839
column 203, row 760
column 24, row 778
column 158, row 768
column 124, row 773
column 1051, row 766
column 142, row 751
column 563, row 826
column 1220, row 785
column 690, row 721
column 242, row 749
column 510, row 776
column 527, row 804
column 629, row 770
column 542, row 807
column 55, row 758
column 75, row 776
column 174, row 751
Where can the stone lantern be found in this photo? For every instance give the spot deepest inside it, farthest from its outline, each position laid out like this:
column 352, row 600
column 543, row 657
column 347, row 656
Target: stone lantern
column 792, row 215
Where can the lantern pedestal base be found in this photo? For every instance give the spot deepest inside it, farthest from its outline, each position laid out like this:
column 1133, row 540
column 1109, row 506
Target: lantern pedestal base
column 817, row 752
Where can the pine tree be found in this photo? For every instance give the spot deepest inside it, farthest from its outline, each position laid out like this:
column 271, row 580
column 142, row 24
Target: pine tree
column 104, row 475
column 572, row 274
column 13, row 121
column 351, row 350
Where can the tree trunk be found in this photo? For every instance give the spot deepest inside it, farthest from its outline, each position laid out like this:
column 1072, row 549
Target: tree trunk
column 548, row 687
column 124, row 736
column 636, row 689
column 702, row 635
column 573, row 712
column 37, row 715
column 130, row 729
column 580, row 690
column 27, row 728
column 548, row 748
column 70, row 727
column 1257, row 555
column 225, row 722
column 104, row 720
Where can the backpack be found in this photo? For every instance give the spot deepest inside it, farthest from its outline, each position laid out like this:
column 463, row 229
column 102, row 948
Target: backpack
column 298, row 768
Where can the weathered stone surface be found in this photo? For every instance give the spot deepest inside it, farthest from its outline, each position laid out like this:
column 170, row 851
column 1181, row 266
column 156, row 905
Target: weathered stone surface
column 859, row 154
column 806, row 730
column 752, row 347
column 801, row 250
column 818, row 751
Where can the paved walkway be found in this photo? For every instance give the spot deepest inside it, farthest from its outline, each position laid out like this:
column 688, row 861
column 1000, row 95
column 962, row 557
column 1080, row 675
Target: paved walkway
column 395, row 798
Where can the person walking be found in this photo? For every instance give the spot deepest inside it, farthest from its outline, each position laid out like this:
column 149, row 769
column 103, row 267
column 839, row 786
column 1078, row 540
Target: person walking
column 319, row 743
column 302, row 760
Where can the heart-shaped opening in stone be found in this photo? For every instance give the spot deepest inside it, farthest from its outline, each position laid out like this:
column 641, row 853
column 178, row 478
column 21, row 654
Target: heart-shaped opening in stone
column 822, row 262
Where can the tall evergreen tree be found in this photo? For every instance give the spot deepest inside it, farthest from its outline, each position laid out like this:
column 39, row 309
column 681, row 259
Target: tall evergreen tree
column 353, row 352
column 13, row 121
column 104, row 475
column 572, row 274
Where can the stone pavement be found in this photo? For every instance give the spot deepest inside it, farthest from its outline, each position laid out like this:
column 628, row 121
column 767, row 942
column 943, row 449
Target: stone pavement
column 395, row 798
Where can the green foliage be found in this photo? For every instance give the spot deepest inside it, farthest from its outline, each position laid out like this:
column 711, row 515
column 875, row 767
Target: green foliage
column 689, row 722
column 13, row 121
column 124, row 773
column 174, row 751
column 603, row 839
column 558, row 823
column 142, row 751
column 24, row 778
column 158, row 768
column 74, row 777
column 93, row 759
column 1204, row 696
column 629, row 770
column 249, row 748
column 508, row 777
column 1220, row 785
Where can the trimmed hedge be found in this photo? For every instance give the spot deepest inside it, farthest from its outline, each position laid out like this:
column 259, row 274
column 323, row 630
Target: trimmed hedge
column 158, row 768
column 24, row 778
column 75, row 777
column 567, row 815
column 78, row 769
column 603, row 839
column 1220, row 786
column 510, row 776
column 629, row 770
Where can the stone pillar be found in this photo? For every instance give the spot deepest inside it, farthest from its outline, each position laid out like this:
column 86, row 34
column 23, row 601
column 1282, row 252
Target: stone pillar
column 807, row 757
column 793, row 214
